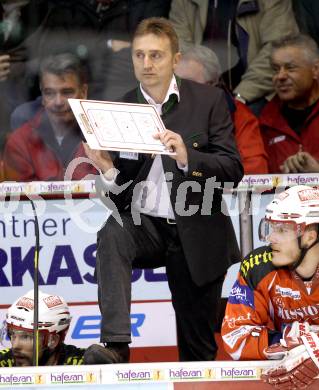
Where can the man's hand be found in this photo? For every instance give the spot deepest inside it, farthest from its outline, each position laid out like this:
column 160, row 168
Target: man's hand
column 102, row 160
column 174, row 142
column 300, row 364
column 4, row 67
column 301, row 162
column 118, row 45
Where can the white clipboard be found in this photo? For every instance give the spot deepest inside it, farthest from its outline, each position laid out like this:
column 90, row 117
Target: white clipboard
column 119, row 126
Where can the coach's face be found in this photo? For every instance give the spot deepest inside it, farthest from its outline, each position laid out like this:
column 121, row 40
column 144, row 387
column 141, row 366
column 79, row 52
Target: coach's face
column 154, row 61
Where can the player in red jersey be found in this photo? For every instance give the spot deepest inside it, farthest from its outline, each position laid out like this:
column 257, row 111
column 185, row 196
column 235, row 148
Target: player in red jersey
column 273, row 307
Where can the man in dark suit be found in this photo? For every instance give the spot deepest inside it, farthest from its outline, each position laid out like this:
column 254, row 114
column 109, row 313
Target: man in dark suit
column 167, row 210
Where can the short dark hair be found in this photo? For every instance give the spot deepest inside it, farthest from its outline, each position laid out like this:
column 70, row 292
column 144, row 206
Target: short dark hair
column 61, row 64
column 302, row 41
column 159, row 27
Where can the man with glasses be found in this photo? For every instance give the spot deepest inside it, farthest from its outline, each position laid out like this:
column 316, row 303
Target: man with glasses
column 54, row 321
column 273, row 310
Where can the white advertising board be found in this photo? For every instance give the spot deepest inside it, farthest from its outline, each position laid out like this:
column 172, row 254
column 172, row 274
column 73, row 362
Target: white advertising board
column 67, row 255
column 68, row 250
column 147, row 324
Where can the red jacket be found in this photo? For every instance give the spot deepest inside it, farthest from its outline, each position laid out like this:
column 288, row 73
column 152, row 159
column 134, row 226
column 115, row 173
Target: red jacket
column 249, row 141
column 281, row 141
column 32, row 153
column 263, row 300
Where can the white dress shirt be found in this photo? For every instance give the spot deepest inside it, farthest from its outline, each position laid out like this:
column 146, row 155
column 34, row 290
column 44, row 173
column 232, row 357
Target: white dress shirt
column 154, row 198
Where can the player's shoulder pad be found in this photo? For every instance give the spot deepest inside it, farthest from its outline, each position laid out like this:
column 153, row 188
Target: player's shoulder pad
column 5, row 351
column 6, row 358
column 256, row 265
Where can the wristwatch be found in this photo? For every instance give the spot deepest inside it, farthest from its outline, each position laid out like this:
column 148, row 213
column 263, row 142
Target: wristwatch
column 240, row 98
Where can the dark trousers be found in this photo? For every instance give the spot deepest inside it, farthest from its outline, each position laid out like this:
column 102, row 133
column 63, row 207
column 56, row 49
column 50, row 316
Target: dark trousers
column 152, row 244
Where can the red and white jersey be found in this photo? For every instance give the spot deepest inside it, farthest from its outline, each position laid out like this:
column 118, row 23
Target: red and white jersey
column 263, row 300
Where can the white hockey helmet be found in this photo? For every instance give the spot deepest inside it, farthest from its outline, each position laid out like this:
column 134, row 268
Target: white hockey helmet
column 298, row 205
column 53, row 315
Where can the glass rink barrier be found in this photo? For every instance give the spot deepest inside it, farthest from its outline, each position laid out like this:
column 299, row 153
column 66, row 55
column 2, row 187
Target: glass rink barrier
column 70, row 214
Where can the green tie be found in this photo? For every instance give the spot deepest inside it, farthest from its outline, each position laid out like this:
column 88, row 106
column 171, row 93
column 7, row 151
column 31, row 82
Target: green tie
column 167, row 106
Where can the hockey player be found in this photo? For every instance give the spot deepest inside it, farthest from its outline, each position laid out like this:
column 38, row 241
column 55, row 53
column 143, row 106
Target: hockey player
column 273, row 308
column 54, row 320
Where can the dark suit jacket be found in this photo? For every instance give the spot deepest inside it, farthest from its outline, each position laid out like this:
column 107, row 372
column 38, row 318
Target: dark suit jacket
column 203, row 120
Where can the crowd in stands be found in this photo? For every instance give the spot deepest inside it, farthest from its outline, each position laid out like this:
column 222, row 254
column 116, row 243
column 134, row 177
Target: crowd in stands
column 263, row 54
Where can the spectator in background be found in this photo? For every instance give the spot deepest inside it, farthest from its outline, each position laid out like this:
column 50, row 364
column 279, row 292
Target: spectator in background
column 100, row 32
column 97, row 31
column 19, row 20
column 240, row 32
column 54, row 321
column 199, row 63
column 42, row 148
column 289, row 122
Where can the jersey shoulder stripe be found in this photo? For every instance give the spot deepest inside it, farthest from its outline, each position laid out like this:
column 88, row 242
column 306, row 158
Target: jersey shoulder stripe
column 256, row 265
